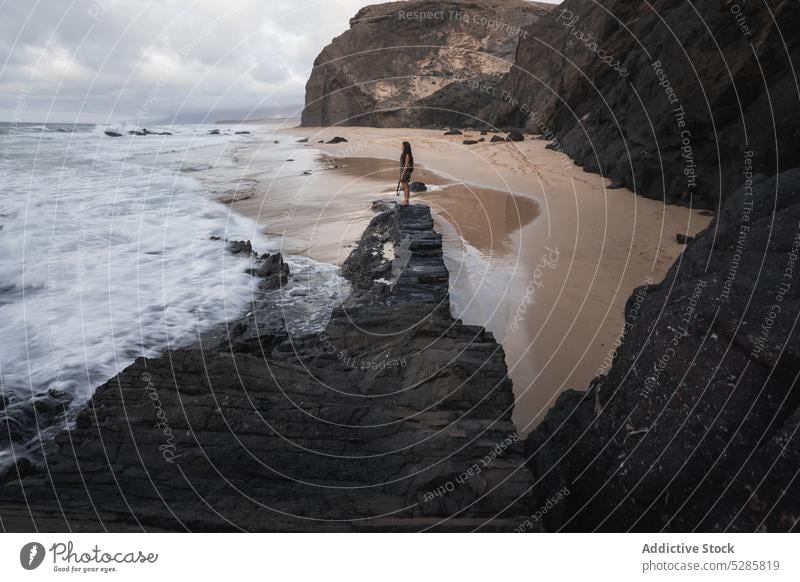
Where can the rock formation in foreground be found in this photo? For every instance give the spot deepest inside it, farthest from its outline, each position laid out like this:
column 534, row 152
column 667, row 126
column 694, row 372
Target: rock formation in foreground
column 400, row 64
column 695, row 427
column 396, row 417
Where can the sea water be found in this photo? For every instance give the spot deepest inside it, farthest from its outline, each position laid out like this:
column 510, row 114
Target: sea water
column 109, row 250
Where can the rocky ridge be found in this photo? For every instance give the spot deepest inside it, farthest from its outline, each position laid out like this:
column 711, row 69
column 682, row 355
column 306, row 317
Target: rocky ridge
column 395, row 417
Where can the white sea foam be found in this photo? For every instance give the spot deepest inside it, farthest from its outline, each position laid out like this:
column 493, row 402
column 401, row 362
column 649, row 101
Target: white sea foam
column 106, row 255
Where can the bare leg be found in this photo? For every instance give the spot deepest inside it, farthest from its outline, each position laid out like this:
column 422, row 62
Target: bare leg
column 406, row 193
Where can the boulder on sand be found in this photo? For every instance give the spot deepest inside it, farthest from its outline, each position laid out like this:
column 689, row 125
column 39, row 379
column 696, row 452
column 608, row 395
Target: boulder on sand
column 336, row 140
column 515, row 135
column 496, row 138
column 112, row 133
column 454, row 132
column 469, row 142
column 417, row 187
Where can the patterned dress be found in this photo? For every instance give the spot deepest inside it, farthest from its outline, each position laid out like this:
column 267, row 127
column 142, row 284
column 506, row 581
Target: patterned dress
column 405, row 174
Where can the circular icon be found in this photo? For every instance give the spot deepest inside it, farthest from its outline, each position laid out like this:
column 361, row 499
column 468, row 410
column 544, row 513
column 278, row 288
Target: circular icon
column 31, row 555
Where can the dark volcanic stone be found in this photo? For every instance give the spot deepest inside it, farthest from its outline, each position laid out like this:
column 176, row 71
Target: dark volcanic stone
column 213, row 132
column 515, row 135
column 336, row 140
column 470, row 141
column 695, row 427
column 496, row 139
column 660, row 111
column 454, row 132
column 417, row 187
column 396, row 417
column 239, row 247
column 110, row 133
column 683, row 238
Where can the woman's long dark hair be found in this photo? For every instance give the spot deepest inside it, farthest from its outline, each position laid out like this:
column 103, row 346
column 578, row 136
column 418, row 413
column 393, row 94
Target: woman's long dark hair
column 407, row 151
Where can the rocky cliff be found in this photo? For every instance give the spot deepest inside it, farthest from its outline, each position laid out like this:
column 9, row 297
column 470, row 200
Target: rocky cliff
column 695, row 427
column 399, row 63
column 674, row 100
column 664, row 97
column 395, row 417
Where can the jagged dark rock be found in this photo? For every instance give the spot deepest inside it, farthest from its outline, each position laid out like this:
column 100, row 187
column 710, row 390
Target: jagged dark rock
column 239, row 247
column 417, row 187
column 695, row 425
column 393, row 70
column 213, row 132
column 496, row 139
column 396, row 417
column 470, row 141
column 683, row 238
column 335, row 140
column 110, row 133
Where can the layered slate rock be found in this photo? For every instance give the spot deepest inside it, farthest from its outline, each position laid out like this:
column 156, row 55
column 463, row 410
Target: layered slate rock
column 401, row 63
column 396, row 417
column 695, row 427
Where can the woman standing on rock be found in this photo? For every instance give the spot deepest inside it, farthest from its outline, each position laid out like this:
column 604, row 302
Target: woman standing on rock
column 406, row 168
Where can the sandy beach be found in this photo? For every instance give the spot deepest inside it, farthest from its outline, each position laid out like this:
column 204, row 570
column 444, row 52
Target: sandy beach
column 541, row 253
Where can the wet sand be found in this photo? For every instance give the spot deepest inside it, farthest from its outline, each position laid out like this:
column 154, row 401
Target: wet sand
column 540, row 252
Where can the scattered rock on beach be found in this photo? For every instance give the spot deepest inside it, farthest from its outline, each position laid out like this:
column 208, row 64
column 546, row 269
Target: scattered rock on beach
column 337, row 139
column 454, row 132
column 496, row 139
column 242, row 133
column 417, row 187
column 112, row 133
column 515, row 135
column 304, row 140
column 213, row 132
column 470, row 142
column 683, row 239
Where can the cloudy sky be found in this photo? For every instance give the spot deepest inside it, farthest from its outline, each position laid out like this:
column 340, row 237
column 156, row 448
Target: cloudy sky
column 98, row 60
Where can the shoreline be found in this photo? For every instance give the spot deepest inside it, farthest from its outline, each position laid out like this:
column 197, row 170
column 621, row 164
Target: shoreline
column 559, row 321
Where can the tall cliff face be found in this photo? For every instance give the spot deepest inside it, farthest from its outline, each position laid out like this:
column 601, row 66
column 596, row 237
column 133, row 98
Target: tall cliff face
column 663, row 97
column 399, row 58
column 695, row 426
